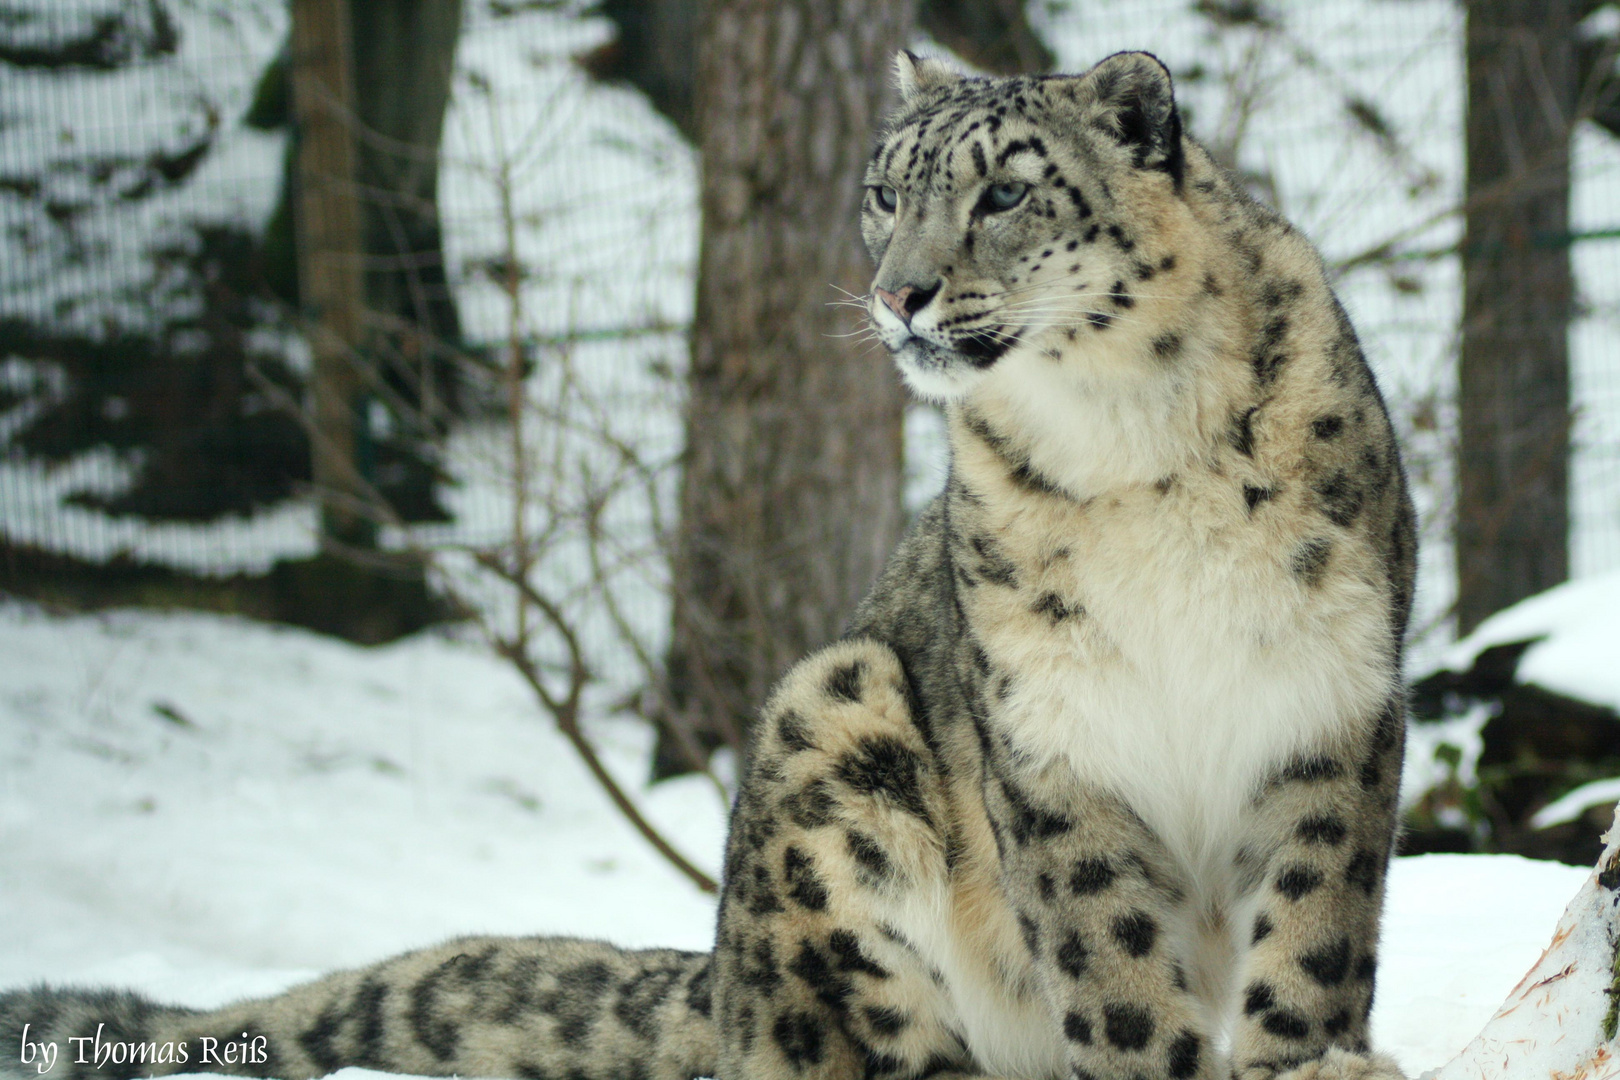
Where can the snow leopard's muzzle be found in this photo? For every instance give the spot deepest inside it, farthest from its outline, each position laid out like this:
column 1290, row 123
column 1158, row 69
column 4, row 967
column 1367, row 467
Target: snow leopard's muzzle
column 936, row 362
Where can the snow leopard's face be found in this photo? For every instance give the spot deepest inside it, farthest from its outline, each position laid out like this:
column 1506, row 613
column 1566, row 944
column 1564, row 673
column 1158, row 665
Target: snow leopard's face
column 1011, row 213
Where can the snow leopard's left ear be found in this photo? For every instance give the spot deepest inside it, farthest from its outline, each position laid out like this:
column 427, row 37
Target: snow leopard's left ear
column 1138, row 105
column 917, row 75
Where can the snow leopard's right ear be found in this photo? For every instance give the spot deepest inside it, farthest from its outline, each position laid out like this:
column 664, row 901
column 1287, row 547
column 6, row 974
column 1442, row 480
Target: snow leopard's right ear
column 917, row 75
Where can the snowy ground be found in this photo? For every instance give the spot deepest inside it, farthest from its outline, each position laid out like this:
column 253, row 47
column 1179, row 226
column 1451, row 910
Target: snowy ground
column 206, row 808
column 185, row 799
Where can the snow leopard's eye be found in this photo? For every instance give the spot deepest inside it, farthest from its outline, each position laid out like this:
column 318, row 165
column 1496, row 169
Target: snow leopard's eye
column 1005, row 196
column 887, row 197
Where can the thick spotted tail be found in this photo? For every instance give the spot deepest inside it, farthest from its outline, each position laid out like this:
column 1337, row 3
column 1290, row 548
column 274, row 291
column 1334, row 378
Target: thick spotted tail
column 533, row 1008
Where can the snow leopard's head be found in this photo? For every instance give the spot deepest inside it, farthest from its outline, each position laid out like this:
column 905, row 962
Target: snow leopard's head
column 1015, row 213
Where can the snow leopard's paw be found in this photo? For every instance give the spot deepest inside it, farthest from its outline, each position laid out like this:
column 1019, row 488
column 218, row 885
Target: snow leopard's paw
column 1339, row 1064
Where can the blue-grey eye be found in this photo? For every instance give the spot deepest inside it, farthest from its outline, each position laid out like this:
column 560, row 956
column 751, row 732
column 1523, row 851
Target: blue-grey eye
column 1006, row 196
column 887, row 197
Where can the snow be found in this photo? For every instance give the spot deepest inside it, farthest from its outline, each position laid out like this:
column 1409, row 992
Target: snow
column 1576, row 630
column 187, row 799
column 204, row 808
column 34, row 506
column 85, row 138
column 1573, row 804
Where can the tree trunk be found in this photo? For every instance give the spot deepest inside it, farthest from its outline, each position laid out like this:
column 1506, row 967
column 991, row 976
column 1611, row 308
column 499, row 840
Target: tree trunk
column 992, row 34
column 1512, row 511
column 404, row 52
column 327, row 227
column 792, row 483
column 653, row 47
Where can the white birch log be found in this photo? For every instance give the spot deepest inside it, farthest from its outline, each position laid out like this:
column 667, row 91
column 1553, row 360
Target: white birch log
column 1559, row 1022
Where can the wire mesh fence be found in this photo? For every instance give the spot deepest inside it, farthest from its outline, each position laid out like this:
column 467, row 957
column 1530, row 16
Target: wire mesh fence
column 130, row 178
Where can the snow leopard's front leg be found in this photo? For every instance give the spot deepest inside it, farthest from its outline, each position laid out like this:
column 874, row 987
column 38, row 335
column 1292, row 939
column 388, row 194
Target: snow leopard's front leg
column 1103, row 920
column 1323, row 830
column 841, row 812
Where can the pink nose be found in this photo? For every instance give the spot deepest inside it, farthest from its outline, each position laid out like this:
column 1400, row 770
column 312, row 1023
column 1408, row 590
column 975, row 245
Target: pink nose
column 896, row 301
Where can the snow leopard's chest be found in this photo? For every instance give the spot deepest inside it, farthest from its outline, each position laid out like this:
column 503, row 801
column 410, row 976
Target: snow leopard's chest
column 1173, row 656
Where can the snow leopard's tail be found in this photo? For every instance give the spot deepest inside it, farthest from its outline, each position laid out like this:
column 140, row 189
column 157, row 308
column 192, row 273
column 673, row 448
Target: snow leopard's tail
column 532, row 1008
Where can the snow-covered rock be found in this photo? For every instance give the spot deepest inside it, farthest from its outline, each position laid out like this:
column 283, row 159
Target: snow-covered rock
column 1573, row 631
column 1519, row 736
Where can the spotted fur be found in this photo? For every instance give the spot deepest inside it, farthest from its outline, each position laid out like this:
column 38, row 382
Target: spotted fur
column 514, row 1007
column 1100, row 784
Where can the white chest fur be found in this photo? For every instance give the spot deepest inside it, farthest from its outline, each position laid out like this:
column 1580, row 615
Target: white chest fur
column 1194, row 661
column 1202, row 659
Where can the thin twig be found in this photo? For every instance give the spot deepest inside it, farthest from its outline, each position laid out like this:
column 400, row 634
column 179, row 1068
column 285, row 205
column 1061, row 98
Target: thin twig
column 565, row 712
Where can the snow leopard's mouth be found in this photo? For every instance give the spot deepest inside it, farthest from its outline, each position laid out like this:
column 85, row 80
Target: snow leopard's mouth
column 986, row 346
column 941, row 362
column 942, row 374
column 976, row 351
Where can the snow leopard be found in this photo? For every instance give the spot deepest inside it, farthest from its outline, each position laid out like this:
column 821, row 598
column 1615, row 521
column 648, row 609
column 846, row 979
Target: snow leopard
column 1100, row 783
